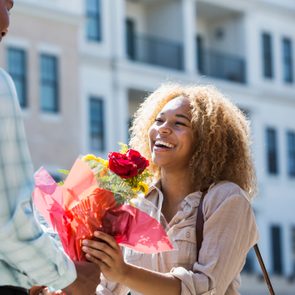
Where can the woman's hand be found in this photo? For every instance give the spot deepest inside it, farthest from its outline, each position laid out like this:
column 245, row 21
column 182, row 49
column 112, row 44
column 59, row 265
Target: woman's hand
column 107, row 254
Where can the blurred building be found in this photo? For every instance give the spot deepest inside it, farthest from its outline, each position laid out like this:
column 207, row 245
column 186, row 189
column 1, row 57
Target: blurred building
column 82, row 67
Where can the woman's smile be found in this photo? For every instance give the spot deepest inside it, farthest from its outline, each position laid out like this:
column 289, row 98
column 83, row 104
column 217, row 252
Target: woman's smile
column 162, row 145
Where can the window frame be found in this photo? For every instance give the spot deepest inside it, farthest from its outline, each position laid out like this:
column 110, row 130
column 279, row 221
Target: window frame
column 53, row 82
column 93, row 15
column 287, row 60
column 100, row 120
column 20, row 77
column 272, row 151
column 291, row 153
column 267, row 55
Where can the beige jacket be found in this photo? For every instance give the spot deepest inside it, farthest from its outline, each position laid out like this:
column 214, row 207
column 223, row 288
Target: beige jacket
column 229, row 232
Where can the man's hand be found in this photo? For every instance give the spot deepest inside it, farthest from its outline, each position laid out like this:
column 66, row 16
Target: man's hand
column 88, row 277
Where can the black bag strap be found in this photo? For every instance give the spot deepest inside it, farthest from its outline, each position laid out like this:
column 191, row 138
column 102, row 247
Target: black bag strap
column 199, row 237
column 264, row 270
column 200, row 225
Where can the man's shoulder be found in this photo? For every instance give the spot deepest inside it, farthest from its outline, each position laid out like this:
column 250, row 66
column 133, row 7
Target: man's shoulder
column 4, row 76
column 7, row 88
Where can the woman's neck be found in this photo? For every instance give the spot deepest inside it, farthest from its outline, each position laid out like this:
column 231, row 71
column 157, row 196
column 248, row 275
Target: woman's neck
column 175, row 187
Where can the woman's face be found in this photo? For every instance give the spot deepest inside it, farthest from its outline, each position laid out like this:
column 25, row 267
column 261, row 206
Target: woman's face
column 171, row 135
column 5, row 6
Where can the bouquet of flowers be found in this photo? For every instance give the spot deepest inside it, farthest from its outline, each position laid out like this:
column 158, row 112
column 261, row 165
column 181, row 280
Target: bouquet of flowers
column 97, row 194
column 124, row 173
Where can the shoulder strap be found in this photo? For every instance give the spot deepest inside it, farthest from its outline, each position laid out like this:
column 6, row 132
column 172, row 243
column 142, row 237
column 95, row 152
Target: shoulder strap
column 264, row 270
column 199, row 237
column 200, row 225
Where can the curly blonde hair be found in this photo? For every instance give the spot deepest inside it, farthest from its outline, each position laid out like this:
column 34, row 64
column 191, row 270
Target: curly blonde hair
column 222, row 150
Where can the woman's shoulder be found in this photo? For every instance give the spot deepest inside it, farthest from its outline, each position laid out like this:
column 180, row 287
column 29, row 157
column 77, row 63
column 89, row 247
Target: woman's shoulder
column 225, row 191
column 227, row 188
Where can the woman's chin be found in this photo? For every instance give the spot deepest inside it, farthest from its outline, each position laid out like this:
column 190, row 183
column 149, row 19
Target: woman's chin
column 161, row 163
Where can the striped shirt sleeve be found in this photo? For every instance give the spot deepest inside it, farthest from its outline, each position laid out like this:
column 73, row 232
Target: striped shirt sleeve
column 28, row 256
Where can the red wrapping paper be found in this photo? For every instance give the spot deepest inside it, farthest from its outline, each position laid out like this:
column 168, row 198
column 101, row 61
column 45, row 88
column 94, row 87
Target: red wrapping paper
column 79, row 207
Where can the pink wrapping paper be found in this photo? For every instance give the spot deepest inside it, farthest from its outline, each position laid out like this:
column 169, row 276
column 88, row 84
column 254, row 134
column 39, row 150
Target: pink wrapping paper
column 79, row 207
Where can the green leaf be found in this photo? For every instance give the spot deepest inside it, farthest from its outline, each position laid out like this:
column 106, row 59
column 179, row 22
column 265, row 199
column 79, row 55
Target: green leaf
column 63, row 171
column 124, row 147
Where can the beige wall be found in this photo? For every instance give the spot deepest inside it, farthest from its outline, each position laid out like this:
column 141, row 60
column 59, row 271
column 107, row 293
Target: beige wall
column 54, row 140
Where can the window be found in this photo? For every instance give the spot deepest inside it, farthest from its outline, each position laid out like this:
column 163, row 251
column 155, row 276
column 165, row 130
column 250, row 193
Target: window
column 130, row 39
column 291, row 153
column 200, row 54
column 287, row 60
column 96, row 111
column 249, row 264
column 276, row 245
column 267, row 55
column 17, row 68
column 271, row 145
column 293, row 249
column 49, row 83
column 93, row 20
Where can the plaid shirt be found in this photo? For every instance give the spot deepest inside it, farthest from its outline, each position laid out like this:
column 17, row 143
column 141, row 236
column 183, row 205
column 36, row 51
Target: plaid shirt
column 28, row 256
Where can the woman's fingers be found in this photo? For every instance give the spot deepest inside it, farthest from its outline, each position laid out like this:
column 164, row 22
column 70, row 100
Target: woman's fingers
column 98, row 254
column 96, row 248
column 102, row 266
column 107, row 238
column 95, row 260
column 105, row 269
column 101, row 246
column 105, row 251
column 107, row 254
column 106, row 244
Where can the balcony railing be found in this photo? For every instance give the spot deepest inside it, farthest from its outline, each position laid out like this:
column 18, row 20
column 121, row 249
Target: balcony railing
column 221, row 65
column 155, row 51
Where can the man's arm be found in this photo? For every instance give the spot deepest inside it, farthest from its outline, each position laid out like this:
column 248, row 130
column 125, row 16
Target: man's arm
column 30, row 256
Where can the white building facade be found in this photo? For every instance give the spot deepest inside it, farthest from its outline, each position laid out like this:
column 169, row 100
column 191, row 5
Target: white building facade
column 113, row 52
column 246, row 49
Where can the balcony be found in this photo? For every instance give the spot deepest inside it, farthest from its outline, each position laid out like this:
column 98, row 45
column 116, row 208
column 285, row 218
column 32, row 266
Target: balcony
column 220, row 41
column 222, row 66
column 154, row 50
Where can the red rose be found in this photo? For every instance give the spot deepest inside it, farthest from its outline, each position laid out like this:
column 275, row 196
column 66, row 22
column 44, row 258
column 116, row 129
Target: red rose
column 122, row 166
column 137, row 159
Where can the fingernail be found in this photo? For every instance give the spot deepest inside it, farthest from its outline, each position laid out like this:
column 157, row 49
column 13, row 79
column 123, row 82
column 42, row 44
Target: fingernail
column 84, row 242
column 96, row 233
column 84, row 249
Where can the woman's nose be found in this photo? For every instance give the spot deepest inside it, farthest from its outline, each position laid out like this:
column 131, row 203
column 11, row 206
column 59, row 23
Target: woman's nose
column 164, row 129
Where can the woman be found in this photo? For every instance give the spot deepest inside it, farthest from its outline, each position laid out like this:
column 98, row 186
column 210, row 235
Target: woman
column 197, row 141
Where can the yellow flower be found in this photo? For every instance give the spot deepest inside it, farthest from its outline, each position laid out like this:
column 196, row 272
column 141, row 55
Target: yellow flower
column 141, row 186
column 105, row 163
column 136, row 188
column 144, row 187
column 91, row 157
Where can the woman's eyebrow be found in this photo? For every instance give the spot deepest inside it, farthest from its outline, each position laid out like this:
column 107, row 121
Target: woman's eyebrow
column 183, row 116
column 177, row 115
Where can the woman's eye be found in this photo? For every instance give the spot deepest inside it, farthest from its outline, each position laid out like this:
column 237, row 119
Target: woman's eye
column 158, row 120
column 180, row 123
